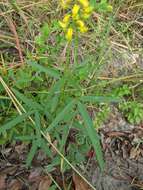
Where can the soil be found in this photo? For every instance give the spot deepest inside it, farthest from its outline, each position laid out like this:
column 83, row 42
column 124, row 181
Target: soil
column 123, row 156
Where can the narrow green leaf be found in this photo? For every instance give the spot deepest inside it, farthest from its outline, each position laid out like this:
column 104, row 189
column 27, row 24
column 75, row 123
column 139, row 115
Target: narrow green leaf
column 93, row 135
column 61, row 115
column 38, row 128
column 14, row 122
column 31, row 153
column 54, row 94
column 25, row 138
column 53, row 187
column 45, row 148
column 45, row 30
column 27, row 101
column 4, row 98
column 100, row 99
column 68, row 117
column 50, row 71
column 64, row 139
column 93, row 3
column 54, row 102
column 55, row 88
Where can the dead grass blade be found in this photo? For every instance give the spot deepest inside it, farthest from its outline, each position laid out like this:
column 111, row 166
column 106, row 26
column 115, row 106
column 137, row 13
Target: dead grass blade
column 13, row 30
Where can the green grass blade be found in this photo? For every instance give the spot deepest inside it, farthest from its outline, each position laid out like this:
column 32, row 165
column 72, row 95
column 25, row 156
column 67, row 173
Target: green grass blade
column 53, row 96
column 94, row 137
column 38, row 128
column 45, row 148
column 64, row 138
column 31, row 153
column 25, row 138
column 100, row 99
column 51, row 72
column 27, row 101
column 4, row 98
column 54, row 102
column 14, row 122
column 93, row 3
column 61, row 115
column 55, row 88
column 55, row 93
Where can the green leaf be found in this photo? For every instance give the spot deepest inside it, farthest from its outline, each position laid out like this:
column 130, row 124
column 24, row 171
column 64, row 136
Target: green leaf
column 31, row 153
column 54, row 95
column 93, row 3
column 27, row 101
column 61, row 115
column 79, row 157
column 45, row 148
column 25, row 138
column 39, row 41
column 45, row 30
column 4, row 98
column 100, row 99
column 54, row 102
column 14, row 122
column 53, row 187
column 3, row 141
column 56, row 87
column 50, row 71
column 64, row 138
column 93, row 135
column 38, row 128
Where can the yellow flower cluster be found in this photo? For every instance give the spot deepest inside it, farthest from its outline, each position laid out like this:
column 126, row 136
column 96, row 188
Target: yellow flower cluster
column 78, row 12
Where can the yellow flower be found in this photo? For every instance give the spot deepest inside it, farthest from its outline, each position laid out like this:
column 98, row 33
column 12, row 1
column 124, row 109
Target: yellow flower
column 88, row 10
column 84, row 3
column 65, row 3
column 80, row 23
column 80, row 11
column 82, row 27
column 63, row 25
column 65, row 21
column 109, row 8
column 69, row 34
column 75, row 11
column 66, row 18
column 85, row 15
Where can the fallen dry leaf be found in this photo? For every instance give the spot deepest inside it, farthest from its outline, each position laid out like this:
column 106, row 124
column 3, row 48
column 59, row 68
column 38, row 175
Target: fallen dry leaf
column 41, row 155
column 35, row 175
column 79, row 183
column 19, row 148
column 2, row 182
column 135, row 153
column 10, row 170
column 15, row 185
column 45, row 183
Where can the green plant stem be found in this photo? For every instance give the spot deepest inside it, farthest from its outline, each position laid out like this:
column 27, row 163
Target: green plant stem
column 21, row 109
column 76, row 45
